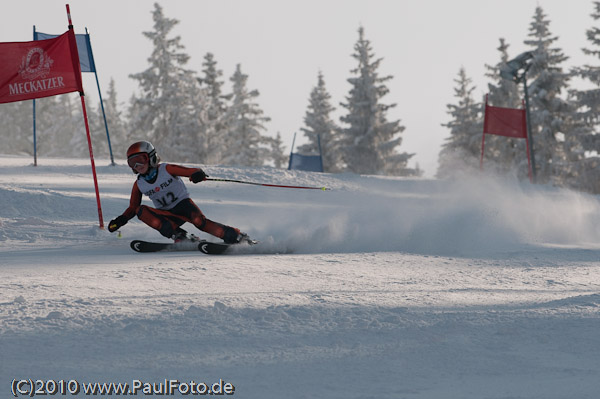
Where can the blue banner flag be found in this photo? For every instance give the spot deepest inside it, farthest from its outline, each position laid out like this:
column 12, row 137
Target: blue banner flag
column 311, row 163
column 86, row 59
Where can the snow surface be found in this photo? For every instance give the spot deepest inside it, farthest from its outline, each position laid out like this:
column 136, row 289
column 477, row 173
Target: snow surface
column 379, row 288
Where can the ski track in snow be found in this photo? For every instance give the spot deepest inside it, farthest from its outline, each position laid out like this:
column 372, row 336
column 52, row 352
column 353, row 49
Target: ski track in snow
column 396, row 288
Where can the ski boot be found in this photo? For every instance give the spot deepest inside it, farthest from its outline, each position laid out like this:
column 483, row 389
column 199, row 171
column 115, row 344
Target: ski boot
column 183, row 236
column 243, row 237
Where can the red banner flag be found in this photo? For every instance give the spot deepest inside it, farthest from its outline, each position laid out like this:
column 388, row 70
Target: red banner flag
column 509, row 122
column 38, row 69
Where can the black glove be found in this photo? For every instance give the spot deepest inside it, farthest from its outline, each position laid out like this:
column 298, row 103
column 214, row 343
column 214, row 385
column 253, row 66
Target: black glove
column 117, row 223
column 198, row 176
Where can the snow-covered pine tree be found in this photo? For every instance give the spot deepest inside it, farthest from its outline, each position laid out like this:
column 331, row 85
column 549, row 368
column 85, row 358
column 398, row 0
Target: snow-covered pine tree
column 319, row 124
column 79, row 143
column 213, row 134
column 246, row 146
column 165, row 112
column 60, row 130
column 550, row 113
column 97, row 130
column 16, row 129
column 277, row 152
column 503, row 92
column 117, row 127
column 57, row 127
column 47, row 130
column 504, row 154
column 461, row 151
column 369, row 142
column 589, row 99
column 587, row 119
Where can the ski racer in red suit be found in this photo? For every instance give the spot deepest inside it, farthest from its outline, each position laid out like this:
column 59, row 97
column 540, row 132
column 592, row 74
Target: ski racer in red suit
column 172, row 203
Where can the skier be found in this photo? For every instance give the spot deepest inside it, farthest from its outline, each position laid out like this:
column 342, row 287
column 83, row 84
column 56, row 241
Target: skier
column 173, row 205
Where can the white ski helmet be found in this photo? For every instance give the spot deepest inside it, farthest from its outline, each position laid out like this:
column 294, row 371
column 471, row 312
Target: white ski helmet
column 143, row 147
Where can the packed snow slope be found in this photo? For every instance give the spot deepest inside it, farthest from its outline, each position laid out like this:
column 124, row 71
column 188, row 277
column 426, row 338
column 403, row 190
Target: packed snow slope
column 380, row 287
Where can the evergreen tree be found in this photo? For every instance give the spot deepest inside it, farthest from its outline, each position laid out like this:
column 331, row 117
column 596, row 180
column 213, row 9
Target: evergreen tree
column 56, row 128
column 462, row 149
column 277, row 152
column 117, row 127
column 245, row 119
column 550, row 113
column 134, row 120
column 60, row 131
column 78, row 143
column 97, row 131
column 60, row 128
column 320, row 125
column 587, row 117
column 504, row 92
column 589, row 99
column 16, row 129
column 369, row 141
column 214, row 130
column 47, row 130
column 505, row 154
column 165, row 112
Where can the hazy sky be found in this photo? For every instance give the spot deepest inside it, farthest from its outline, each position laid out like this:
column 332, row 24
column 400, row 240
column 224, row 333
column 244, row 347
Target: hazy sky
column 282, row 45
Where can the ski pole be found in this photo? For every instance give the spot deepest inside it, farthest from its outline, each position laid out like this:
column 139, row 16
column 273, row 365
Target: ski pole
column 268, row 185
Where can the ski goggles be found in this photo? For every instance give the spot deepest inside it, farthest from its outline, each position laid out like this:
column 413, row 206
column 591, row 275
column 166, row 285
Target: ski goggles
column 137, row 160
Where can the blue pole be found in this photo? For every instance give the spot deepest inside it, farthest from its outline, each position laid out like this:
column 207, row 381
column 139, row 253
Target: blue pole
column 93, row 66
column 529, row 131
column 292, row 152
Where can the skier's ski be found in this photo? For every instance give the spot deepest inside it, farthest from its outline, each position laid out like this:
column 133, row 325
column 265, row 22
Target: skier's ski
column 147, row 246
column 213, row 248
column 207, row 247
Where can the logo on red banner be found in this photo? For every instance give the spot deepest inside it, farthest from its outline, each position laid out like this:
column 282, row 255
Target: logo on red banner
column 35, row 64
